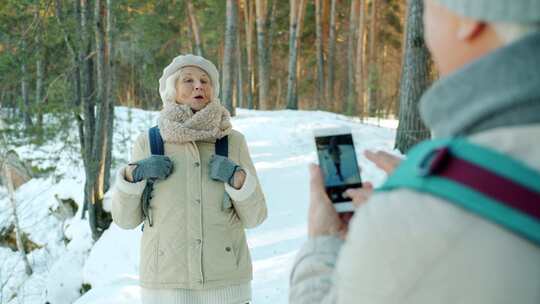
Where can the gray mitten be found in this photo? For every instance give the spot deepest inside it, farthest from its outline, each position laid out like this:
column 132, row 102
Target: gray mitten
column 154, row 167
column 222, row 169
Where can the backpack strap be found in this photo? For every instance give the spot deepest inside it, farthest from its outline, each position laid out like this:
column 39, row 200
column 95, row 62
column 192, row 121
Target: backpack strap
column 156, row 141
column 222, row 148
column 482, row 181
column 156, row 148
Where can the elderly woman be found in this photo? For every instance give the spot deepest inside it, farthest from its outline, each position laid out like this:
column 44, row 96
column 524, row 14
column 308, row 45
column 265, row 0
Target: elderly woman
column 193, row 247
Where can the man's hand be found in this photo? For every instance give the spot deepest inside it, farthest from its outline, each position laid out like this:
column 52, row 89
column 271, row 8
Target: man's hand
column 323, row 218
column 360, row 195
column 384, row 160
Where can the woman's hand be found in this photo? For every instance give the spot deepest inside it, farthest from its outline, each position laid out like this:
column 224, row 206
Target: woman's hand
column 238, row 179
column 153, row 167
column 225, row 170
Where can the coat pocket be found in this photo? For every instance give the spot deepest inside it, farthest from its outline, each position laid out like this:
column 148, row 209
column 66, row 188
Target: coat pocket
column 220, row 255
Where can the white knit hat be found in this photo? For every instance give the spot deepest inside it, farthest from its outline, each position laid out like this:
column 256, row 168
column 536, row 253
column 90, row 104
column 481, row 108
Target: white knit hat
column 189, row 60
column 511, row 11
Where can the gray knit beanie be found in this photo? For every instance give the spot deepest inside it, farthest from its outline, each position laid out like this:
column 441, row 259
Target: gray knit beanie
column 510, row 11
column 168, row 93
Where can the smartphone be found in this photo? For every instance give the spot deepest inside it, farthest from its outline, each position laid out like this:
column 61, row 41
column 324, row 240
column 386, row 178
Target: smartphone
column 337, row 160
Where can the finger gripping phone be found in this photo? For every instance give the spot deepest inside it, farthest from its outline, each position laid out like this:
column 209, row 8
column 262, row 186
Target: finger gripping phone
column 337, row 160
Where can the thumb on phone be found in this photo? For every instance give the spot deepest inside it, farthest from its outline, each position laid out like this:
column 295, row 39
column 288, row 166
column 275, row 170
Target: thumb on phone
column 360, row 196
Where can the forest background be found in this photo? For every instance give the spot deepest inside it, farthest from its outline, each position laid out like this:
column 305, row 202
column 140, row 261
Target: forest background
column 64, row 61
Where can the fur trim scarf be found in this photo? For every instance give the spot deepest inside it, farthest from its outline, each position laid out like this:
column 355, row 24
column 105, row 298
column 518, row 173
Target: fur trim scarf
column 178, row 124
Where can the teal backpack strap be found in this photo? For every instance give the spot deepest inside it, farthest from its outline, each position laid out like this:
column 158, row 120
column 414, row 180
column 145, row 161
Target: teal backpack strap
column 483, row 181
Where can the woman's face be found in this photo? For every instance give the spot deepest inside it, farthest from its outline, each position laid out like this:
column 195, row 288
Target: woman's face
column 193, row 88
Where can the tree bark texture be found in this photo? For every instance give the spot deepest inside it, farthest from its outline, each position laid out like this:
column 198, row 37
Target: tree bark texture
column 296, row 15
column 414, row 80
column 350, row 106
column 25, row 95
column 261, row 7
column 320, row 59
column 291, row 80
column 109, row 93
column 194, row 25
column 39, row 89
column 360, row 61
column 249, row 22
column 301, row 17
column 331, row 55
column 373, row 70
column 229, row 54
column 239, row 65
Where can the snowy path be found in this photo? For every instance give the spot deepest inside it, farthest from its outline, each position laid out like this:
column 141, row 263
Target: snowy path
column 281, row 145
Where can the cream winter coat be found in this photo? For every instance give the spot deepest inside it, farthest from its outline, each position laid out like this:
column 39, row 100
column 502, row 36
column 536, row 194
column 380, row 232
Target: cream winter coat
column 193, row 243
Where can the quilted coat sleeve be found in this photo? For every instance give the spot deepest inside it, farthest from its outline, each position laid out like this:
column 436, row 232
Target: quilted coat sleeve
column 312, row 276
column 126, row 206
column 248, row 201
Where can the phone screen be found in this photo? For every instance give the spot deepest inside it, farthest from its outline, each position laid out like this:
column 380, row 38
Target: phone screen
column 337, row 159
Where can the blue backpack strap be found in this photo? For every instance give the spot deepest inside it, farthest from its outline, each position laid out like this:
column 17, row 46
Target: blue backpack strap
column 156, row 148
column 222, row 146
column 475, row 178
column 156, row 141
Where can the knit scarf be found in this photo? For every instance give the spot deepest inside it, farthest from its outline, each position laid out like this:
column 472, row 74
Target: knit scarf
column 178, row 124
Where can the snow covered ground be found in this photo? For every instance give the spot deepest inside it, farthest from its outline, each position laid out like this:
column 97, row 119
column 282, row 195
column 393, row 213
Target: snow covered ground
column 281, row 145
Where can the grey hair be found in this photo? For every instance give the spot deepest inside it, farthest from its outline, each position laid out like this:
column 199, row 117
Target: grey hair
column 170, row 87
column 510, row 32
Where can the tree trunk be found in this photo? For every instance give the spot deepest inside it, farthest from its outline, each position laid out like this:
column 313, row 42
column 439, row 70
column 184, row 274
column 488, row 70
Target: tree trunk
column 39, row 91
column 331, row 55
column 414, row 80
column 270, row 30
column 373, row 71
column 360, row 61
column 228, row 56
column 248, row 21
column 95, row 130
column 301, row 15
column 25, row 94
column 11, row 193
column 294, row 32
column 350, row 106
column 86, row 82
column 194, row 25
column 239, row 68
column 263, row 85
column 320, row 60
column 96, row 161
column 109, row 94
column 291, row 81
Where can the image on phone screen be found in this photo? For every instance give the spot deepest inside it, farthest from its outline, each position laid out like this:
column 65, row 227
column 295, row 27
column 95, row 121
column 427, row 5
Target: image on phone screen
column 337, row 160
